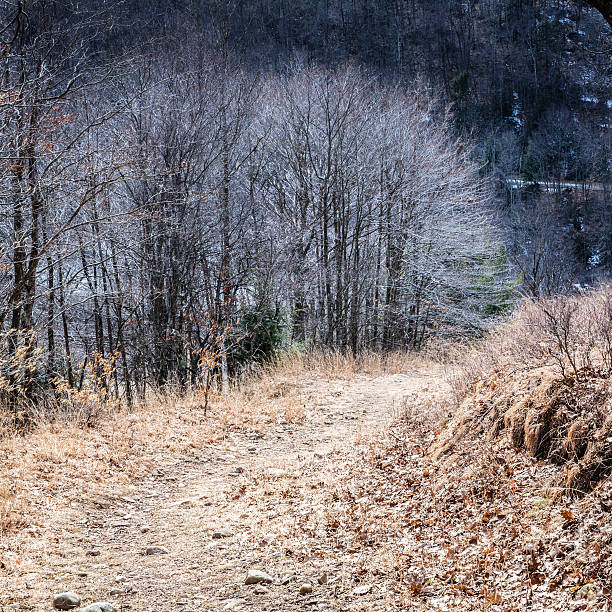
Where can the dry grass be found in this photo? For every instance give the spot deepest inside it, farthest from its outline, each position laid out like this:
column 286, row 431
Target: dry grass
column 64, row 457
column 334, row 364
column 544, row 379
column 571, row 335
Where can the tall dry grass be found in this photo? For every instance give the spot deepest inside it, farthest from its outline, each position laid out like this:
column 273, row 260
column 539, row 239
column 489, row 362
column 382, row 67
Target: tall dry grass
column 571, row 334
column 545, row 379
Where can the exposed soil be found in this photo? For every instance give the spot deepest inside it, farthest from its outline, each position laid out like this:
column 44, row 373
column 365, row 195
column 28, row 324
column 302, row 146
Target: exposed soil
column 273, row 490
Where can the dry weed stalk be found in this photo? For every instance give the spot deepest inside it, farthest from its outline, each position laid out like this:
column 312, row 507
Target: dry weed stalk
column 86, row 404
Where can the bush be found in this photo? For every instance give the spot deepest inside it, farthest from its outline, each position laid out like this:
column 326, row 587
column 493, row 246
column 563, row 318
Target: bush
column 260, row 334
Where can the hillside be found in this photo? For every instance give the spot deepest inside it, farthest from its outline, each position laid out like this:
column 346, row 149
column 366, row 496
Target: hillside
column 324, row 475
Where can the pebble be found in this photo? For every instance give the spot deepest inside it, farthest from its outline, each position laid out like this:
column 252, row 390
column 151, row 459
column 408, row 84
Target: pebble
column 322, row 579
column 364, row 589
column 233, row 604
column 93, row 553
column 261, row 590
column 222, row 533
column 66, row 601
column 306, row 588
column 99, row 606
column 156, row 550
column 258, row 577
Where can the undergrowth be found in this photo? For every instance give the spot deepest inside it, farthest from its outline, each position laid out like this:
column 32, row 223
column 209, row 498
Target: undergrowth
column 545, row 379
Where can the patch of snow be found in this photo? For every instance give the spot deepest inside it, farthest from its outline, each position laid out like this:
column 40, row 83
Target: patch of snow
column 594, row 259
column 516, row 111
column 589, row 99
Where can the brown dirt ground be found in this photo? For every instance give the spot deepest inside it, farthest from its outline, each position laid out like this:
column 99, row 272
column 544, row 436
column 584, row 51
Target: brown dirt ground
column 312, row 473
column 280, row 488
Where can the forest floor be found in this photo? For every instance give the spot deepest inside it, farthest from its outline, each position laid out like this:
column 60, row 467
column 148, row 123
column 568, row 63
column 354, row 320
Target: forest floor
column 313, row 479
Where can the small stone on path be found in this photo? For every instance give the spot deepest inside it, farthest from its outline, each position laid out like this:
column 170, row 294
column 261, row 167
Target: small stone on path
column 258, row 577
column 66, row 601
column 364, row 589
column 93, row 553
column 322, row 579
column 276, row 472
column 99, row 606
column 306, row 588
column 261, row 590
column 222, row 533
column 156, row 550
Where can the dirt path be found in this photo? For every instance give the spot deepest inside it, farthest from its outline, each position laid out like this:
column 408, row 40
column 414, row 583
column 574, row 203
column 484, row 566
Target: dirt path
column 274, row 492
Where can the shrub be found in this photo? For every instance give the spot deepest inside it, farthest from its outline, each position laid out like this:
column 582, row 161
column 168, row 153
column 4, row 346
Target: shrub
column 260, row 334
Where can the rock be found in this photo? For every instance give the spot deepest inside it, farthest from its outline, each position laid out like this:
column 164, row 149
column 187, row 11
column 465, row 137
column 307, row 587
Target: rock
column 233, row 604
column 93, row 553
column 156, row 550
column 99, row 606
column 306, row 588
column 66, row 601
column 258, row 577
column 222, row 533
column 115, row 592
column 364, row 589
column 261, row 590
column 286, row 579
column 322, row 579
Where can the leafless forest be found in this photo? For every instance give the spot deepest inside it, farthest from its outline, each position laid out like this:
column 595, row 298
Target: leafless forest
column 187, row 187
